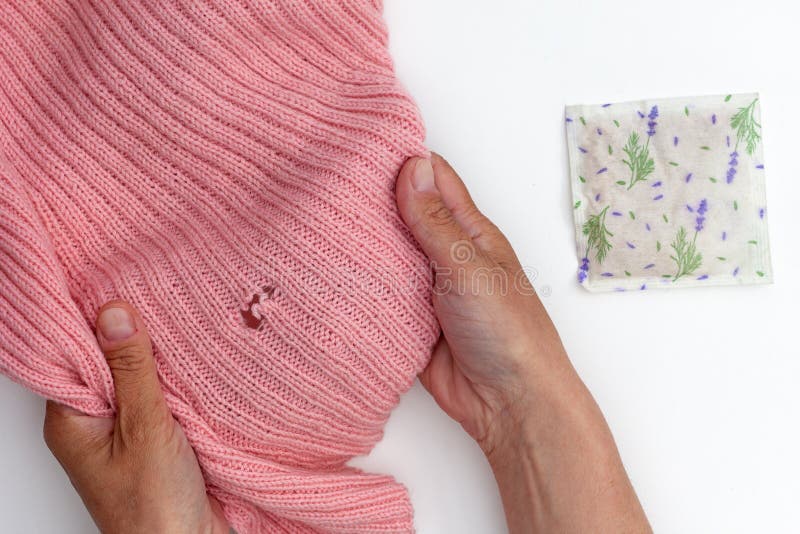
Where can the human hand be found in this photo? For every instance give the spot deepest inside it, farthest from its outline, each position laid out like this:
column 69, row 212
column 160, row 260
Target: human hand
column 135, row 472
column 496, row 333
column 500, row 370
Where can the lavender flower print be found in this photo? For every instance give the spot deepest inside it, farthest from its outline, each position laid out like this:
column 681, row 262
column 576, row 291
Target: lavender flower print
column 701, row 211
column 677, row 184
column 732, row 167
column 639, row 161
column 583, row 273
column 686, row 256
column 651, row 123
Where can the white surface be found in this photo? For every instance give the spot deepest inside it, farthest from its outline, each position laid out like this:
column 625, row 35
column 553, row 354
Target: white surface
column 700, row 386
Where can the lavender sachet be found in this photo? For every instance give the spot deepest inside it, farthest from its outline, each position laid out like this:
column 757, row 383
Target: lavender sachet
column 669, row 193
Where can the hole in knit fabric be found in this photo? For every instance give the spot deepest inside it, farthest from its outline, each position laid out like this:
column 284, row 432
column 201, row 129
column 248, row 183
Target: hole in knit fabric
column 253, row 310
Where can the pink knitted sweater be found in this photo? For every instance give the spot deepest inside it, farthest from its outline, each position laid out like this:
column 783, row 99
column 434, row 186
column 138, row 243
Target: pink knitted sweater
column 226, row 166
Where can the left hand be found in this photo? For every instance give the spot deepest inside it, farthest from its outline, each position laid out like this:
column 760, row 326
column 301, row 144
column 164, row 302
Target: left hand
column 135, row 472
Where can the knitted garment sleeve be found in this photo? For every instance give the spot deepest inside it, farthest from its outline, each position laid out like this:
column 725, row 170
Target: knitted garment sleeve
column 227, row 167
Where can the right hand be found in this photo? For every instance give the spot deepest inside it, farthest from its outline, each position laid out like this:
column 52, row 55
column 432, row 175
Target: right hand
column 501, row 371
column 496, row 334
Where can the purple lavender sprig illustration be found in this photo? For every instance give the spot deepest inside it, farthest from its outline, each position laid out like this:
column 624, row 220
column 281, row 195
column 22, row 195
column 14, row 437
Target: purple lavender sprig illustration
column 702, row 208
column 639, row 161
column 651, row 122
column 732, row 166
column 686, row 257
column 583, row 273
column 748, row 132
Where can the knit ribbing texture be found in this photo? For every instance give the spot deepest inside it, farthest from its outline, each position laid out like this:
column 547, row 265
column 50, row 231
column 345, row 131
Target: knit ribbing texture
column 228, row 168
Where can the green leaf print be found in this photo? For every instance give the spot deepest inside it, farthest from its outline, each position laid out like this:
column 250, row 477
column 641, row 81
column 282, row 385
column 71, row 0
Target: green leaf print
column 597, row 235
column 639, row 161
column 686, row 257
column 747, row 129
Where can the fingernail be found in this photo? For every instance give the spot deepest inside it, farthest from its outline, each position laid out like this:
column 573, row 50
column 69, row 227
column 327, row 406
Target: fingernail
column 116, row 324
column 422, row 179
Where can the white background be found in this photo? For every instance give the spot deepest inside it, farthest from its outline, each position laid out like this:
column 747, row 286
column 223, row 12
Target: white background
column 700, row 386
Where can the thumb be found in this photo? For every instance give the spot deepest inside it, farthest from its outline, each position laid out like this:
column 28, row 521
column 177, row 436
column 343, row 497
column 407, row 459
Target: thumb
column 126, row 344
column 424, row 211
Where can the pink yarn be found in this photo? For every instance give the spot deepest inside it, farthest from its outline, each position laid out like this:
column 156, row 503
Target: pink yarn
column 228, row 168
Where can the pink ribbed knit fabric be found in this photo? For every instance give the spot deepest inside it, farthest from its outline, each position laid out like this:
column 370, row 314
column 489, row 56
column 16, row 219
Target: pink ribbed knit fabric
column 227, row 167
